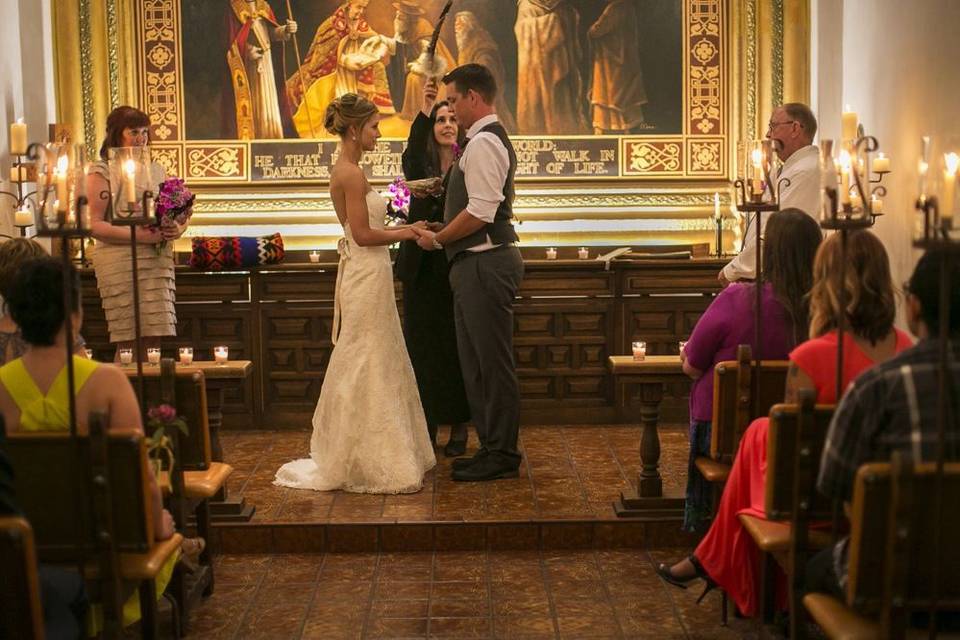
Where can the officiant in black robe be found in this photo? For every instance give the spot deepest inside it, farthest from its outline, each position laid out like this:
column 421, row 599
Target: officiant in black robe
column 428, row 324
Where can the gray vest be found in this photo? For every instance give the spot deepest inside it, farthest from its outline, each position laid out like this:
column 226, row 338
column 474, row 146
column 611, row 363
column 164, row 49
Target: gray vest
column 501, row 229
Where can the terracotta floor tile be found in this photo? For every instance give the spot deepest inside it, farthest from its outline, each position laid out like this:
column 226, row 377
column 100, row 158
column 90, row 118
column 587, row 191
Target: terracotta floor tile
column 460, row 628
column 459, row 590
column 523, row 626
column 403, row 591
column 396, row 628
column 459, row 608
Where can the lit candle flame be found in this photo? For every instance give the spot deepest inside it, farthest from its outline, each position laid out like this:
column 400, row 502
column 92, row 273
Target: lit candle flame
column 63, row 164
column 757, row 157
column 844, row 161
column 952, row 162
column 130, row 167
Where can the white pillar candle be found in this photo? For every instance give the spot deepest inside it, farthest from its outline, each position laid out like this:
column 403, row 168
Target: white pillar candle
column 61, row 183
column 876, row 205
column 951, row 163
column 881, row 163
column 844, row 165
column 18, row 137
column 757, row 160
column 129, row 182
column 552, row 253
column 23, row 217
column 848, row 124
column 583, row 254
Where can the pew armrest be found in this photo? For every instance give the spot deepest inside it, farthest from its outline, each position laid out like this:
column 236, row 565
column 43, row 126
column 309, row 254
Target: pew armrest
column 773, row 536
column 837, row 620
column 713, row 471
column 207, row 483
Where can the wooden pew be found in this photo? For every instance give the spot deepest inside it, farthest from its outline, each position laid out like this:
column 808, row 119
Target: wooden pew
column 892, row 562
column 739, row 397
column 88, row 501
column 795, row 443
column 21, row 614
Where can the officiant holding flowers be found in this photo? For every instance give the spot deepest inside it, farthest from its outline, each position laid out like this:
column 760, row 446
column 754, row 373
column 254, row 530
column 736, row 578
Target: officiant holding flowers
column 428, row 324
column 130, row 127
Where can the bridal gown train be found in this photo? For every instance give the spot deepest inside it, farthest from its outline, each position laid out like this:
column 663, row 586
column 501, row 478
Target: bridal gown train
column 369, row 430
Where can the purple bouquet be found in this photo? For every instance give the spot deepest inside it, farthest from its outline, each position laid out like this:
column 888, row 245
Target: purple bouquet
column 398, row 199
column 174, row 202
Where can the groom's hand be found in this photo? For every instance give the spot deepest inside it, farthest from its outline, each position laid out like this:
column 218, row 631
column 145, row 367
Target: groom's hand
column 425, row 239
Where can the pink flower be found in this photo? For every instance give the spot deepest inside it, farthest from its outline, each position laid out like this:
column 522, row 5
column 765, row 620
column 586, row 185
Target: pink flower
column 162, row 413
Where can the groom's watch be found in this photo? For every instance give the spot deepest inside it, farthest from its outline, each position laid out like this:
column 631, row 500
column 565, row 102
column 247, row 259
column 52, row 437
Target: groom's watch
column 436, row 244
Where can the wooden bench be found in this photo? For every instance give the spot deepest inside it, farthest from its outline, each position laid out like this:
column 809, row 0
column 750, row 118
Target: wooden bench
column 88, row 501
column 21, row 615
column 892, row 561
column 795, row 441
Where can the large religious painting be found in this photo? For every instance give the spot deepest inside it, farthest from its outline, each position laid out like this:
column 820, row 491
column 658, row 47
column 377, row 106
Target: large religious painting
column 597, row 89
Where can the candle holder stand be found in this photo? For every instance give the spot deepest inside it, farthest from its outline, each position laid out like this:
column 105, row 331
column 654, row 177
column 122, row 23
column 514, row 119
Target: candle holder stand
column 20, row 198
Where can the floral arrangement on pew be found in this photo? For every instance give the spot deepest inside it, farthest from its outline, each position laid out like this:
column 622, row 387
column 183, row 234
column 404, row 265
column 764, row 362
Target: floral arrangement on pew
column 398, row 201
column 174, row 205
column 159, row 445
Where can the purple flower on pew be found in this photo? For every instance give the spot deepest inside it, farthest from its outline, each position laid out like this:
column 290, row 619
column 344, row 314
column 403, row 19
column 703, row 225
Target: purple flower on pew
column 162, row 413
column 159, row 446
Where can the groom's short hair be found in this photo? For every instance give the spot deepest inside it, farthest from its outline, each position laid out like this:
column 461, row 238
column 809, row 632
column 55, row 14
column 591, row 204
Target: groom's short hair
column 473, row 76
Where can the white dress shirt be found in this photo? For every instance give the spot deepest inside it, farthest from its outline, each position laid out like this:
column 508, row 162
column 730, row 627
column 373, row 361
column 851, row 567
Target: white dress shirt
column 485, row 164
column 804, row 192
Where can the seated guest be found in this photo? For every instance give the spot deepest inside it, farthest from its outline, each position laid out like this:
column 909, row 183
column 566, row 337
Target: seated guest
column 791, row 243
column 727, row 555
column 792, row 129
column 891, row 407
column 13, row 253
column 33, row 387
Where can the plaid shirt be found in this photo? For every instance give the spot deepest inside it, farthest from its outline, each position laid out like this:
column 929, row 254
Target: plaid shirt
column 890, row 407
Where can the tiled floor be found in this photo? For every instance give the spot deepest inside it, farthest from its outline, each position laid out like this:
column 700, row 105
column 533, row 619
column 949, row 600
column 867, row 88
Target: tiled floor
column 518, row 595
column 568, row 473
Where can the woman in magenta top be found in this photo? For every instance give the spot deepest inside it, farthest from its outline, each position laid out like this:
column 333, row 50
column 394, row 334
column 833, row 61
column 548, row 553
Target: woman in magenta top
column 792, row 238
column 727, row 555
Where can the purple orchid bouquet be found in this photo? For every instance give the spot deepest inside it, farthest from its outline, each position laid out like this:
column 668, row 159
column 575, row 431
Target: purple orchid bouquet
column 174, row 205
column 398, row 201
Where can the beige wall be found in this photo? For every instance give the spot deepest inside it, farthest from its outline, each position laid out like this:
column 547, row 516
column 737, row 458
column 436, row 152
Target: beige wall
column 898, row 64
column 26, row 83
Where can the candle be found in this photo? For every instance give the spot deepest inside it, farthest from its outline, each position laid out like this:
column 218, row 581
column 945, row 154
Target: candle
column 951, row 163
column 757, row 161
column 153, row 355
column 220, row 354
column 60, row 180
column 314, row 256
column 186, row 355
column 23, row 217
column 639, row 350
column 126, row 356
column 129, row 182
column 848, row 124
column 716, row 206
column 551, row 253
column 683, row 345
column 88, row 353
column 18, row 173
column 18, row 138
column 583, row 254
column 876, row 205
column 881, row 164
column 844, row 165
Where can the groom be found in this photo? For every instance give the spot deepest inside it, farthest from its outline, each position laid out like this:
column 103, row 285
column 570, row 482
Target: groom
column 485, row 272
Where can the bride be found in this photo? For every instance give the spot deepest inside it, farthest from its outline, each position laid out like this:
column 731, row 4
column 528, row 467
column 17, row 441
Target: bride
column 369, row 431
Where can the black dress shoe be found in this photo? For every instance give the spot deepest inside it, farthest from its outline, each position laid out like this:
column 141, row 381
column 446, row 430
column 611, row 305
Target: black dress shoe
column 455, row 448
column 463, row 463
column 487, row 468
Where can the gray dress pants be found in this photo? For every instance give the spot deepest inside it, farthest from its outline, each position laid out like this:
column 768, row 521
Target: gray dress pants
column 484, row 286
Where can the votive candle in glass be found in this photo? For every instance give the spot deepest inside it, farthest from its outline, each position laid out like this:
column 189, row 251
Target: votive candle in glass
column 220, row 354
column 126, row 356
column 314, row 256
column 186, row 355
column 153, row 355
column 639, row 350
column 552, row 253
column 583, row 253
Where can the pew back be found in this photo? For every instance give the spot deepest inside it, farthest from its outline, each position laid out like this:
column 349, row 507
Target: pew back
column 21, row 615
column 56, row 495
column 874, row 493
column 794, row 447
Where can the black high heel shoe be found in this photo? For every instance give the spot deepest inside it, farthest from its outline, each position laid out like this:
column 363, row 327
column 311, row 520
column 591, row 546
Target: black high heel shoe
column 663, row 570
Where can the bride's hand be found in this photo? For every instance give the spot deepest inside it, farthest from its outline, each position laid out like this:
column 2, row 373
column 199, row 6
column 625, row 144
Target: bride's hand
column 419, row 224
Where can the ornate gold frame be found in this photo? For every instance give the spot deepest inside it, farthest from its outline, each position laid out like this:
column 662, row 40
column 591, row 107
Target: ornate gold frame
column 768, row 63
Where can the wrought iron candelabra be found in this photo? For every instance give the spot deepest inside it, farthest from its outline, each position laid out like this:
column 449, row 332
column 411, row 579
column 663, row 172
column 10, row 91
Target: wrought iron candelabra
column 25, row 207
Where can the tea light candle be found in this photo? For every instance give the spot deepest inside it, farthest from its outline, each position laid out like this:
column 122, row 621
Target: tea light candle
column 153, row 356
column 639, row 350
column 552, row 253
column 18, row 137
column 314, row 256
column 23, row 217
column 186, row 355
column 583, row 254
column 88, row 353
column 881, row 163
column 126, row 356
column 220, row 354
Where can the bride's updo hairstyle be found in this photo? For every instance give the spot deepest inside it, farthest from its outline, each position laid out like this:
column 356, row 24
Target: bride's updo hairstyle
column 349, row 110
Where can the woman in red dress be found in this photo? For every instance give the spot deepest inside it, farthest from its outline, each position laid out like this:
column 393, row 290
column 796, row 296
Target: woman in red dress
column 727, row 556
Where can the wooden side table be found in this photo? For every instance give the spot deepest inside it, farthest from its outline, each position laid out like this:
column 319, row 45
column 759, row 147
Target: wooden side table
column 646, row 378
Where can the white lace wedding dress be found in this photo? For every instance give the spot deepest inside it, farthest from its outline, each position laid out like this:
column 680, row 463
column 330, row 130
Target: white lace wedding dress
column 369, row 431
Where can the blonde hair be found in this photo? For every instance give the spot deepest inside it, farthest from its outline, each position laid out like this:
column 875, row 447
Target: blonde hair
column 870, row 302
column 349, row 110
column 13, row 253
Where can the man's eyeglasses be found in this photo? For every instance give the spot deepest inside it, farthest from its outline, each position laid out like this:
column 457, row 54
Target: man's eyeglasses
column 773, row 125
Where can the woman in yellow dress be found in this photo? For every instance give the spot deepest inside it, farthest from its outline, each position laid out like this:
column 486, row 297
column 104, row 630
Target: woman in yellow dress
column 33, row 388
